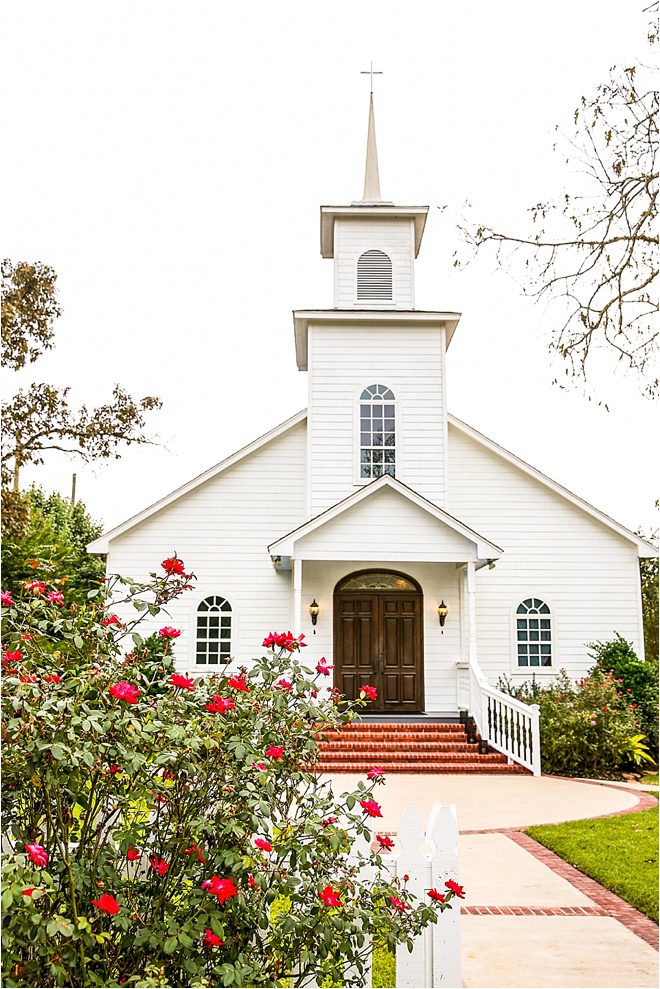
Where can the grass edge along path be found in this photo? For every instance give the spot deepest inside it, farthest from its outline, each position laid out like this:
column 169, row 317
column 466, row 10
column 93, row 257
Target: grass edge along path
column 620, row 853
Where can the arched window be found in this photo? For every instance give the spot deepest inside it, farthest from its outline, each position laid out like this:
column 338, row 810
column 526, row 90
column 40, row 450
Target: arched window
column 377, row 432
column 213, row 638
column 534, row 633
column 374, row 276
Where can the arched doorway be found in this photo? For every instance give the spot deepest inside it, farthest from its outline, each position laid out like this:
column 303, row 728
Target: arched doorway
column 378, row 639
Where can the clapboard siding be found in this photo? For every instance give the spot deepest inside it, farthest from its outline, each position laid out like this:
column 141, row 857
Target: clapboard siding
column 393, row 236
column 221, row 530
column 345, row 360
column 553, row 550
column 385, row 524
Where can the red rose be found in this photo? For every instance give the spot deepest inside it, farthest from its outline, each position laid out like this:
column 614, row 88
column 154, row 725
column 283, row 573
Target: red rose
column 167, row 632
column 211, row 940
column 263, row 844
column 323, row 668
column 10, row 656
column 435, row 895
column 260, row 766
column 219, row 705
column 55, row 597
column 275, row 751
column 133, row 854
column 35, row 587
column 7, row 599
column 384, row 841
column 238, row 683
column 399, row 904
column 455, row 888
column 284, row 640
column 108, row 903
column 330, row 896
column 371, row 808
column 37, row 854
column 283, row 684
column 327, row 821
column 52, row 678
column 252, row 882
column 369, row 692
column 173, row 565
column 186, row 683
column 112, row 620
column 374, row 772
column 160, row 865
column 124, row 691
column 224, row 889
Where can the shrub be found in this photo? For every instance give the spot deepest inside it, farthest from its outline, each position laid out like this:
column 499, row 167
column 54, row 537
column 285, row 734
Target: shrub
column 178, row 836
column 637, row 682
column 586, row 728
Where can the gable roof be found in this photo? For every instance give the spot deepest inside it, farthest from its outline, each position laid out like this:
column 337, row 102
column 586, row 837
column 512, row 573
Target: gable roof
column 644, row 548
column 100, row 545
column 483, row 550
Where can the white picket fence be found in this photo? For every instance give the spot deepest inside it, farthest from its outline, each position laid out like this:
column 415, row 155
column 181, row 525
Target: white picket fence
column 507, row 724
column 428, row 857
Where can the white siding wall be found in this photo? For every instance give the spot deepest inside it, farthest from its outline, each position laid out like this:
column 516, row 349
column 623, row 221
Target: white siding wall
column 221, row 530
column 584, row 571
column 396, row 237
column 343, row 361
column 441, row 650
column 385, row 525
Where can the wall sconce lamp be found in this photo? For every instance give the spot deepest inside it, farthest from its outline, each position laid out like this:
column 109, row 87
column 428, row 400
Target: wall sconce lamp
column 443, row 611
column 314, row 613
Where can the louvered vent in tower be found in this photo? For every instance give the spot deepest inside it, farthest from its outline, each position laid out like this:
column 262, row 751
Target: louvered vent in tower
column 374, row 276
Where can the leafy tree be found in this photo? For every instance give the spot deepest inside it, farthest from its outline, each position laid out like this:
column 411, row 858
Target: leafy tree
column 52, row 529
column 638, row 681
column 648, row 572
column 39, row 418
column 596, row 248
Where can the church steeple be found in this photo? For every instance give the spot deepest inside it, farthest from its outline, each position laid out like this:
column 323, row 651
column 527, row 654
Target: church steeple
column 371, row 192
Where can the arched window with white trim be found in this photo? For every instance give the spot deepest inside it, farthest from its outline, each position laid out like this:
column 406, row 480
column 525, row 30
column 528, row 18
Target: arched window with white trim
column 377, row 432
column 374, row 276
column 213, row 632
column 533, row 633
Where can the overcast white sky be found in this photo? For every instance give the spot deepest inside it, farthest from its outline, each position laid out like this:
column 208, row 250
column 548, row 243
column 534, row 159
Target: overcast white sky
column 168, row 160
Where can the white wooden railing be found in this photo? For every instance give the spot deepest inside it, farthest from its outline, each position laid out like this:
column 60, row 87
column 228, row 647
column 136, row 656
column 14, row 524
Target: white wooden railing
column 428, row 858
column 508, row 725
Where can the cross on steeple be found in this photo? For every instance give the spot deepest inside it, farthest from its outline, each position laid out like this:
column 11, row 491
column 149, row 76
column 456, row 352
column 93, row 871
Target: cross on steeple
column 371, row 72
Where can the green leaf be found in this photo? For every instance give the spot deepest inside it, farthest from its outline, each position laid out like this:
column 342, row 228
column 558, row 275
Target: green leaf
column 137, row 639
column 57, row 752
column 7, row 899
column 170, row 945
column 78, row 641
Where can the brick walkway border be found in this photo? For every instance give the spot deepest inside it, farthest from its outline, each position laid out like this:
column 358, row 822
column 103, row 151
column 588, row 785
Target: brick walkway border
column 535, row 911
column 611, row 904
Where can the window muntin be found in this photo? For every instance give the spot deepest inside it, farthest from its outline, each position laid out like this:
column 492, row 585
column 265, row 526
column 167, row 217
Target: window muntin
column 374, row 276
column 533, row 633
column 213, row 633
column 377, row 432
column 376, row 580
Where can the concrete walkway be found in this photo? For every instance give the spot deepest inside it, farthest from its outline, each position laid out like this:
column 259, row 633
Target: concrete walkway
column 529, row 919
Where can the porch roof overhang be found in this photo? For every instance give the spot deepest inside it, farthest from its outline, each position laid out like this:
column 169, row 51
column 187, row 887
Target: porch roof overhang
column 452, row 541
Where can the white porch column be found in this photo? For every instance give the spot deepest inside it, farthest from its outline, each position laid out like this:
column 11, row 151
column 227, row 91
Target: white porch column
column 297, row 596
column 472, row 611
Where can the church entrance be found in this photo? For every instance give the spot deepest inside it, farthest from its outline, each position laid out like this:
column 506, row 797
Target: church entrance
column 378, row 639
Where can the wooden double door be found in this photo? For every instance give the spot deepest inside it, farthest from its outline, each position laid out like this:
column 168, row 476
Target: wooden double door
column 378, row 641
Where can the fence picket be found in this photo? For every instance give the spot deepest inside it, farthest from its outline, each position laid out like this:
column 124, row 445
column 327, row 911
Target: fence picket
column 442, row 835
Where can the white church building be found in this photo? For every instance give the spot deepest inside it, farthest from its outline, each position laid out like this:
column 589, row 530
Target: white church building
column 436, row 560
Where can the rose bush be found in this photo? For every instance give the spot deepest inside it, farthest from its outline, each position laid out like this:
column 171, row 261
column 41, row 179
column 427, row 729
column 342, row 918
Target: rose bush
column 587, row 728
column 168, row 830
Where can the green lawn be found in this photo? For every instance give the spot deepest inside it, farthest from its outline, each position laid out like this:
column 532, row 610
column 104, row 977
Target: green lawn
column 621, row 853
column 650, row 778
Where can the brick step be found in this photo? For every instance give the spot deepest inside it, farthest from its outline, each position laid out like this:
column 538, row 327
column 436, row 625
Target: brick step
column 349, row 756
column 417, row 725
column 407, row 747
column 404, row 744
column 415, row 768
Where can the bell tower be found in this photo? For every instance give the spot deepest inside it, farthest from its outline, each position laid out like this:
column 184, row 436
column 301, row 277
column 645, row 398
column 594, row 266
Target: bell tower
column 376, row 364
